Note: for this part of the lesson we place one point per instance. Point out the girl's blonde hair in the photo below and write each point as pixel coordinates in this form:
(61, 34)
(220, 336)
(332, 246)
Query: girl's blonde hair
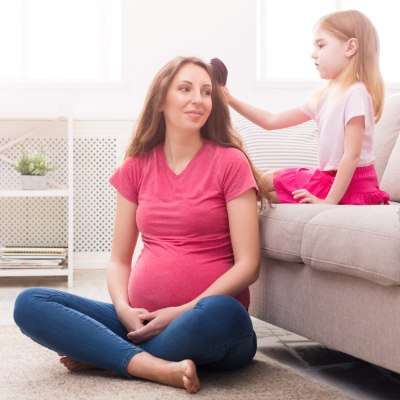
(364, 64)
(150, 128)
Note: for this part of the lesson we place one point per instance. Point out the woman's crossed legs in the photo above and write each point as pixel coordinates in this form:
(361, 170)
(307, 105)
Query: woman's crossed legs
(216, 334)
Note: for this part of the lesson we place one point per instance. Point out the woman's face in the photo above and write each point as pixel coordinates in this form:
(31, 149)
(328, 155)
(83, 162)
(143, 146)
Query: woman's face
(188, 101)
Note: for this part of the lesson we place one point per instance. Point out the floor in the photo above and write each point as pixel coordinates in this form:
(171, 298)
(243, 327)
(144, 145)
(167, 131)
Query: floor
(356, 378)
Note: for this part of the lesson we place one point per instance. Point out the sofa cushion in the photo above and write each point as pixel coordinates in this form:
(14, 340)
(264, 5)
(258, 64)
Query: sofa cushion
(390, 182)
(269, 150)
(282, 227)
(386, 133)
(359, 241)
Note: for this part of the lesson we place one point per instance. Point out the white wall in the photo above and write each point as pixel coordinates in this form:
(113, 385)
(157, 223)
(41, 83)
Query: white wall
(154, 31)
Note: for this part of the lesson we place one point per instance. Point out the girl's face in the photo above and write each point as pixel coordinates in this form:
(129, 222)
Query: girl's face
(188, 102)
(330, 54)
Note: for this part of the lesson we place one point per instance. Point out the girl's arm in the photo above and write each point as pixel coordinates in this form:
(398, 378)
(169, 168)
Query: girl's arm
(123, 245)
(264, 118)
(353, 139)
(244, 231)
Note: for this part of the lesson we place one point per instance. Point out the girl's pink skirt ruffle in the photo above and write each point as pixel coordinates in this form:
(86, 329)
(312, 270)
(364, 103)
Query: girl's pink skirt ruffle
(363, 188)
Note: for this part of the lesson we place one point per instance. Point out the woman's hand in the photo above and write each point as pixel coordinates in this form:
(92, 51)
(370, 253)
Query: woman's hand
(131, 318)
(153, 323)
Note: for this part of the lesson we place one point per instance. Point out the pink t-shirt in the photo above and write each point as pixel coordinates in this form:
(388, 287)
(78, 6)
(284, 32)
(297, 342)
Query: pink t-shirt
(332, 115)
(183, 221)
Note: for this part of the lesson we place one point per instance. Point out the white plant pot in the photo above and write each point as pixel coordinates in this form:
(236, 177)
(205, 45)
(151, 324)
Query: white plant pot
(33, 182)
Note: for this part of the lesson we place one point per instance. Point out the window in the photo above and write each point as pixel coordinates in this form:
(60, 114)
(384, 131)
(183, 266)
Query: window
(285, 36)
(60, 40)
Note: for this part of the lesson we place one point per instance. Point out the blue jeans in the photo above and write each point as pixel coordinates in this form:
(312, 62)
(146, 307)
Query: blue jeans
(216, 334)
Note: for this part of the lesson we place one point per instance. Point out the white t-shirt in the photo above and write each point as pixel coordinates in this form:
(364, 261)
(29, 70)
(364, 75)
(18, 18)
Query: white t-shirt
(332, 114)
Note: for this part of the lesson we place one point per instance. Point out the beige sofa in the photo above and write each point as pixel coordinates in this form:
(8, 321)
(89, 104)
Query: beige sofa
(332, 273)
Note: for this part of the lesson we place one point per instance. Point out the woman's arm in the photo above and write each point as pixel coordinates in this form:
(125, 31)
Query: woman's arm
(244, 231)
(353, 139)
(123, 245)
(264, 118)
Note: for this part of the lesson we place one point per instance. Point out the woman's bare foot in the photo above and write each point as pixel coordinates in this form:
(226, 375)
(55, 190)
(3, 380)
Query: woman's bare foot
(184, 374)
(74, 365)
(181, 374)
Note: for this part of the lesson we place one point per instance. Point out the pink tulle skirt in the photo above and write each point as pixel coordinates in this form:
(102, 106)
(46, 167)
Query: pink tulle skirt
(363, 187)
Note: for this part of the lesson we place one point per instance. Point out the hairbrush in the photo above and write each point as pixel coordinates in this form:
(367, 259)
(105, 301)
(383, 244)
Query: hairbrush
(219, 70)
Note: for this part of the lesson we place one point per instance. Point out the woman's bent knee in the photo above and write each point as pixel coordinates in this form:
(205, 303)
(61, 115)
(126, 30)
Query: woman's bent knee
(25, 304)
(227, 311)
(222, 303)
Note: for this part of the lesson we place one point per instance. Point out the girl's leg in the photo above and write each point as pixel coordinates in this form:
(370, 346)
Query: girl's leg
(267, 180)
(216, 334)
(274, 197)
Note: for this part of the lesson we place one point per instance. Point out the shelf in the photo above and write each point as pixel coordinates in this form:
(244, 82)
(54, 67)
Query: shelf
(32, 117)
(13, 272)
(46, 128)
(35, 193)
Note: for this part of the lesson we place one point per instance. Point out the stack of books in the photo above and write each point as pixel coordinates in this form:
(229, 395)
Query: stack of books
(33, 257)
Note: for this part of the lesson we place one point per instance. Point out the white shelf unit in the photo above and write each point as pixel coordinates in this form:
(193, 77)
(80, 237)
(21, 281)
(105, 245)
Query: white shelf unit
(56, 190)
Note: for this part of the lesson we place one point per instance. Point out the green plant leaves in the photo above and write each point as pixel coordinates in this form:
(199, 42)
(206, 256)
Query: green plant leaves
(35, 164)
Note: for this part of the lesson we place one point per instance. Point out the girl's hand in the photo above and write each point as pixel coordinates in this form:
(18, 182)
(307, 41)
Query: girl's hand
(227, 94)
(153, 323)
(307, 197)
(130, 318)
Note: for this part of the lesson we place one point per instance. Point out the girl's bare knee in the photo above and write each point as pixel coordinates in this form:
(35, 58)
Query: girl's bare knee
(267, 180)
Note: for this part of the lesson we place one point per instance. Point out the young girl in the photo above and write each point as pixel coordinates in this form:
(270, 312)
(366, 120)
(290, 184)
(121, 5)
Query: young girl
(346, 50)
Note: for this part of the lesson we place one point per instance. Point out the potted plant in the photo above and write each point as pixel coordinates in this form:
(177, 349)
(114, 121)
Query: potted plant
(33, 169)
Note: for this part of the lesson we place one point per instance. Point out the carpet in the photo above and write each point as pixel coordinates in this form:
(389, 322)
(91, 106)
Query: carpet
(29, 372)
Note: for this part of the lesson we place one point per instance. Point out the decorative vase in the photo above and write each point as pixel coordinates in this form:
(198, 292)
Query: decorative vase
(33, 182)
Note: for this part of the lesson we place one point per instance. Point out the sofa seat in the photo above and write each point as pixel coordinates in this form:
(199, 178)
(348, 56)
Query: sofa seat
(362, 242)
(331, 273)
